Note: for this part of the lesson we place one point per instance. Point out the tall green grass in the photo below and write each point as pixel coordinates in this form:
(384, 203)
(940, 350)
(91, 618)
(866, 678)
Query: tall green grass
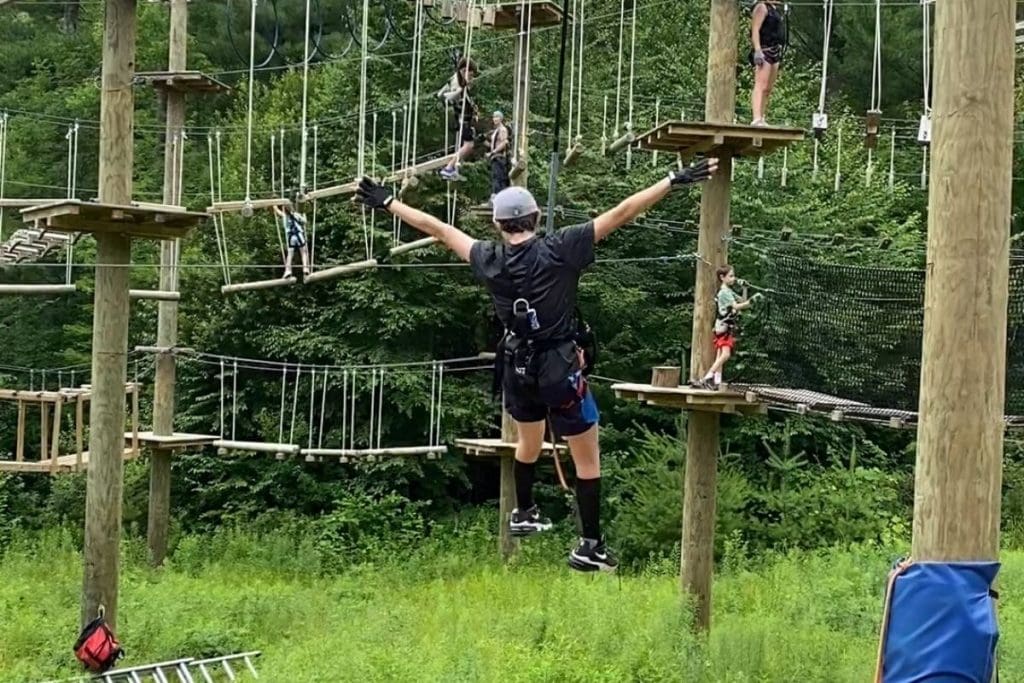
(448, 611)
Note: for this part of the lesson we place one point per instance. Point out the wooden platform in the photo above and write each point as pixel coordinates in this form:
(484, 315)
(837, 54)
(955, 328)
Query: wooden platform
(710, 139)
(29, 245)
(181, 81)
(176, 440)
(505, 15)
(22, 203)
(73, 215)
(689, 398)
(499, 448)
(65, 464)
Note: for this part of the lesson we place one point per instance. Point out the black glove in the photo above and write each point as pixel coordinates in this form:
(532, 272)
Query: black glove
(758, 58)
(373, 195)
(697, 173)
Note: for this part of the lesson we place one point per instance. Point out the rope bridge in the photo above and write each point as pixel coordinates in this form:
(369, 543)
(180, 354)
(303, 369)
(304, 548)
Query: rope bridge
(851, 332)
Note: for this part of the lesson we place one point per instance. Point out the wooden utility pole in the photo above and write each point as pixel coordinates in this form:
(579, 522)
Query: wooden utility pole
(963, 364)
(698, 543)
(522, 113)
(167, 322)
(110, 320)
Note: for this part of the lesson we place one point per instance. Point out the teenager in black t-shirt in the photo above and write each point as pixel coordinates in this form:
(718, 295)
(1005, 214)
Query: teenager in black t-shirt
(533, 280)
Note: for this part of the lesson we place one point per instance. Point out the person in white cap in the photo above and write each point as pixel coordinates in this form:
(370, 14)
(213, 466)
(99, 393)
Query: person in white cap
(533, 281)
(498, 154)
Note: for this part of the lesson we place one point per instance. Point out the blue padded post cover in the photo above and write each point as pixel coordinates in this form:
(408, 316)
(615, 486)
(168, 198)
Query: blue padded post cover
(942, 624)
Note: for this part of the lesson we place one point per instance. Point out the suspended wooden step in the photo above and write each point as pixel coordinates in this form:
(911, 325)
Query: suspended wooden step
(690, 139)
(258, 284)
(498, 448)
(342, 270)
(872, 122)
(247, 207)
(413, 246)
(574, 153)
(257, 447)
(343, 454)
(40, 290)
(181, 81)
(153, 295)
(332, 191)
(73, 215)
(173, 441)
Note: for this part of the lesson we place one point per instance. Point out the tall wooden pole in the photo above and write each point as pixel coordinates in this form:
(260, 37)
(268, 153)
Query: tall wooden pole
(702, 437)
(522, 112)
(167, 321)
(110, 320)
(963, 365)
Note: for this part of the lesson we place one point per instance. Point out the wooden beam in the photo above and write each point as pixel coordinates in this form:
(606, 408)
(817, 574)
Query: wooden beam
(38, 290)
(154, 295)
(413, 246)
(356, 452)
(507, 543)
(341, 271)
(257, 447)
(258, 284)
(19, 451)
(332, 191)
(960, 428)
(704, 146)
(254, 204)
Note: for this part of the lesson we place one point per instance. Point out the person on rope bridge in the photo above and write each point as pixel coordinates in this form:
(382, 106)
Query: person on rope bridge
(540, 364)
(768, 38)
(727, 310)
(456, 94)
(295, 235)
(498, 154)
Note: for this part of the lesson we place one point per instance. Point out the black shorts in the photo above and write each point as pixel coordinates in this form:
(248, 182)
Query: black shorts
(467, 134)
(772, 55)
(572, 405)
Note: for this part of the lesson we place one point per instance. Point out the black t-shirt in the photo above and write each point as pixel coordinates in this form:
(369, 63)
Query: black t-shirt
(545, 270)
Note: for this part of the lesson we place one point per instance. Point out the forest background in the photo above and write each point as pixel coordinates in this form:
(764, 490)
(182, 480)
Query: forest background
(786, 482)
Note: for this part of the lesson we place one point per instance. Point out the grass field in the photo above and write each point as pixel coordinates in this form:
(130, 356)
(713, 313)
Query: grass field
(448, 611)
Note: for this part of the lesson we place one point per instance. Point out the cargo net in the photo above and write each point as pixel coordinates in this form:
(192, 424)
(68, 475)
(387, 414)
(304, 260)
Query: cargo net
(852, 332)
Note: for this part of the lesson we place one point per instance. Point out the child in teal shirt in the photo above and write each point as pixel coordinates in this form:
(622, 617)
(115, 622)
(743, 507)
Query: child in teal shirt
(727, 308)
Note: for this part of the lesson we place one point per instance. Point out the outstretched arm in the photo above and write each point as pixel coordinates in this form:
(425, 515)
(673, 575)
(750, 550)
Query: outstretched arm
(635, 205)
(453, 238)
(380, 198)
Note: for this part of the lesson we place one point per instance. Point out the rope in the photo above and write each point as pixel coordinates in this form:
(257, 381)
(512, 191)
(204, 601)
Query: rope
(828, 5)
(892, 159)
(312, 405)
(839, 159)
(3, 167)
(433, 389)
(632, 63)
(222, 400)
(785, 165)
(352, 412)
(234, 399)
(316, 156)
(344, 406)
(305, 106)
(395, 221)
(218, 233)
(295, 405)
(70, 145)
(926, 54)
(604, 127)
(876, 67)
(380, 407)
(572, 75)
(618, 77)
(280, 140)
(440, 403)
(412, 120)
(579, 96)
(252, 86)
(373, 405)
(273, 188)
(280, 427)
(361, 150)
(467, 55)
(657, 122)
(323, 410)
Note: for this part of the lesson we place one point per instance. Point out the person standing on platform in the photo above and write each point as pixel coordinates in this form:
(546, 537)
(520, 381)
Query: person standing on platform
(498, 154)
(727, 309)
(541, 361)
(768, 38)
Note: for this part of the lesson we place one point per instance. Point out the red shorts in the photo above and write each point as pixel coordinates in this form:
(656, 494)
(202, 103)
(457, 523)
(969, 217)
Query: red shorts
(725, 341)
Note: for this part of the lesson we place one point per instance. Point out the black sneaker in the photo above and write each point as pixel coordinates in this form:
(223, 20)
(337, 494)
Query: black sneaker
(528, 521)
(593, 556)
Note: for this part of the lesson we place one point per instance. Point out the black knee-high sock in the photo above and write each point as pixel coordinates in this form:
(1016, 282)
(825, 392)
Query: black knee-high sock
(588, 499)
(523, 474)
